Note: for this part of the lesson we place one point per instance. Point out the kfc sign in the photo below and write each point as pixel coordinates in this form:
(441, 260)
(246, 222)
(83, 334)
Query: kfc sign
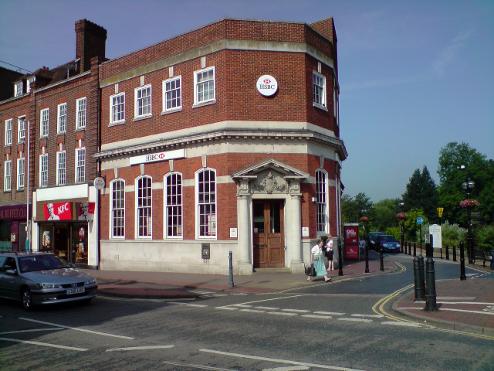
(267, 85)
(86, 211)
(58, 211)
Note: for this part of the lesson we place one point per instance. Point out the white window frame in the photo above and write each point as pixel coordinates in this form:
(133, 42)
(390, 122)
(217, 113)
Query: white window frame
(112, 223)
(58, 176)
(80, 114)
(18, 91)
(43, 170)
(8, 132)
(136, 221)
(80, 176)
(21, 139)
(21, 181)
(136, 99)
(212, 99)
(29, 82)
(7, 176)
(323, 95)
(198, 206)
(113, 106)
(322, 201)
(166, 92)
(44, 122)
(61, 118)
(166, 206)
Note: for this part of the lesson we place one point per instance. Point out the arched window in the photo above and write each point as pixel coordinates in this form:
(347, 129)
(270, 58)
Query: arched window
(117, 208)
(206, 203)
(143, 207)
(322, 201)
(173, 205)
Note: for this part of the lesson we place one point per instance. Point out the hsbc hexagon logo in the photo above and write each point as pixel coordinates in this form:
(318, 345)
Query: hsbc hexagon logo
(267, 85)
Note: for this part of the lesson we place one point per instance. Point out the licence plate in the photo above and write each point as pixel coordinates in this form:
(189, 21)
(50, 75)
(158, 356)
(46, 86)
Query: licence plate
(76, 290)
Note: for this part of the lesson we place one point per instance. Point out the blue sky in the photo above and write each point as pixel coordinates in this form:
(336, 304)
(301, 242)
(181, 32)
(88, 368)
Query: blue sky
(414, 75)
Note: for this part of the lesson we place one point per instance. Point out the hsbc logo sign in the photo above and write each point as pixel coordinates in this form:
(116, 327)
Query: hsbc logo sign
(267, 85)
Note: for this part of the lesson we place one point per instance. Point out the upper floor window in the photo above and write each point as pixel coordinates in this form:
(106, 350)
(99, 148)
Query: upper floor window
(43, 170)
(319, 90)
(61, 168)
(20, 173)
(8, 132)
(29, 83)
(143, 207)
(81, 108)
(7, 176)
(18, 88)
(80, 165)
(117, 108)
(206, 203)
(142, 104)
(322, 201)
(172, 97)
(21, 129)
(204, 90)
(44, 122)
(173, 205)
(117, 212)
(61, 118)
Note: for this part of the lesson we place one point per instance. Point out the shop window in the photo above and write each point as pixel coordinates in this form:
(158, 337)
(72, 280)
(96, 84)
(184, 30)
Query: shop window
(173, 205)
(117, 209)
(322, 201)
(206, 203)
(144, 207)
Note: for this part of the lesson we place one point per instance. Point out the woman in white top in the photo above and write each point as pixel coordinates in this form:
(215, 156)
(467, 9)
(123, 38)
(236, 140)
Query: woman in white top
(318, 261)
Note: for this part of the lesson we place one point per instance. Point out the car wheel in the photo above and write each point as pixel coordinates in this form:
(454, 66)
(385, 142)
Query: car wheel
(27, 299)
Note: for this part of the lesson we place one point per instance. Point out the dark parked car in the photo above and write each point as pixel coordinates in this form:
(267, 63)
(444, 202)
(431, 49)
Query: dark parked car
(41, 278)
(388, 243)
(373, 239)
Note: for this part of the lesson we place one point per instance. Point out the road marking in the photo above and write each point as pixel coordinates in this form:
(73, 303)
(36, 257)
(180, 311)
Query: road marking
(202, 292)
(404, 324)
(219, 295)
(467, 298)
(330, 313)
(287, 368)
(296, 310)
(316, 316)
(76, 328)
(378, 307)
(187, 304)
(32, 330)
(149, 347)
(277, 360)
(282, 313)
(227, 308)
(243, 305)
(271, 299)
(200, 367)
(44, 344)
(467, 311)
(268, 308)
(457, 302)
(100, 296)
(355, 320)
(368, 315)
(251, 310)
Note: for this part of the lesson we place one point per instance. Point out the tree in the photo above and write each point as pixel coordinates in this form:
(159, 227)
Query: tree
(352, 208)
(384, 214)
(421, 193)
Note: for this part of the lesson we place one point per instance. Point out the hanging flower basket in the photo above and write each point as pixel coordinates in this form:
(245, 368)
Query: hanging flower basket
(364, 219)
(469, 203)
(401, 216)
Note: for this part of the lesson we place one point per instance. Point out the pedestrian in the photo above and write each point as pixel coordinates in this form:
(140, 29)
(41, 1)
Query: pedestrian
(330, 255)
(317, 259)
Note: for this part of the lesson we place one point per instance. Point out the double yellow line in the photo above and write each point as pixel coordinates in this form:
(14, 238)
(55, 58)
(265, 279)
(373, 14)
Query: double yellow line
(378, 308)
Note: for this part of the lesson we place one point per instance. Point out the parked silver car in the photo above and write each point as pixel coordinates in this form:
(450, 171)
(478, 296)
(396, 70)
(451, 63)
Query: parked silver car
(41, 278)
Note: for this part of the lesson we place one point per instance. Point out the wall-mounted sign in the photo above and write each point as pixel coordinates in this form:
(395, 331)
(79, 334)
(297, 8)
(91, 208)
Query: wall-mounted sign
(99, 182)
(160, 156)
(305, 231)
(85, 211)
(57, 211)
(267, 85)
(233, 233)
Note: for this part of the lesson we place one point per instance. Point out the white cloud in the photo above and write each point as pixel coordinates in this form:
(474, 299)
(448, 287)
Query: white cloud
(449, 53)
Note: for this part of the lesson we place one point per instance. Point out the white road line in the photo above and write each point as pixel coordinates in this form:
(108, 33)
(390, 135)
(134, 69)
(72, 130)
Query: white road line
(77, 329)
(271, 299)
(149, 347)
(219, 295)
(252, 311)
(467, 311)
(44, 344)
(287, 368)
(456, 298)
(457, 302)
(402, 324)
(200, 367)
(277, 360)
(330, 313)
(368, 315)
(32, 330)
(187, 304)
(141, 299)
(296, 310)
(227, 308)
(315, 316)
(355, 320)
(267, 308)
(282, 314)
(202, 292)
(243, 305)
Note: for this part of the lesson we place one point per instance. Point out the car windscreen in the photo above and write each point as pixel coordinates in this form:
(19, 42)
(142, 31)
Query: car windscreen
(39, 263)
(387, 238)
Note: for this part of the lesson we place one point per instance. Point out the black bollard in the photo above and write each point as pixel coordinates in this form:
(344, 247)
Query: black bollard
(447, 252)
(430, 288)
(462, 262)
(340, 258)
(454, 253)
(414, 250)
(418, 274)
(441, 252)
(230, 270)
(367, 256)
(381, 258)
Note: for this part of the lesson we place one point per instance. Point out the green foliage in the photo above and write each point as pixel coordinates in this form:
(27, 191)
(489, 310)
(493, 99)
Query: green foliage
(393, 231)
(352, 208)
(485, 237)
(421, 193)
(410, 225)
(452, 234)
(383, 214)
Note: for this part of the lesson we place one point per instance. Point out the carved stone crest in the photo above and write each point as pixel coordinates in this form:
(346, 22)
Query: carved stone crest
(267, 182)
(243, 188)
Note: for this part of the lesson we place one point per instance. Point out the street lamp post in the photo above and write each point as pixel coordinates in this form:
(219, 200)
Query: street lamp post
(365, 220)
(401, 218)
(468, 185)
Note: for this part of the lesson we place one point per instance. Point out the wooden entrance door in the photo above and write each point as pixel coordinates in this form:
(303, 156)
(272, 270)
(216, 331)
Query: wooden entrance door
(269, 244)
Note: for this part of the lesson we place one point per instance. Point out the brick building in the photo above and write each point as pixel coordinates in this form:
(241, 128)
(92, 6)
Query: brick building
(223, 139)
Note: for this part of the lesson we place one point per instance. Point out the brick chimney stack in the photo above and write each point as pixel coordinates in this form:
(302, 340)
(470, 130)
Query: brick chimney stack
(90, 42)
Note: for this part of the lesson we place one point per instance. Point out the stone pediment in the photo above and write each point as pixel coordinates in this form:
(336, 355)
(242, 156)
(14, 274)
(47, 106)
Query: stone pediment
(275, 166)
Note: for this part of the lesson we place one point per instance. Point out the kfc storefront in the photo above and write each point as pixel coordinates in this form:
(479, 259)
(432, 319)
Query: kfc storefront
(66, 227)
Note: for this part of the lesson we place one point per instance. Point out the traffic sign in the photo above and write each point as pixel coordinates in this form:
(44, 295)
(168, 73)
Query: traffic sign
(440, 211)
(420, 220)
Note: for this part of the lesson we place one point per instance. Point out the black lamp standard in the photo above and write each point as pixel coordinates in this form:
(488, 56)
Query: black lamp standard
(468, 186)
(401, 216)
(365, 220)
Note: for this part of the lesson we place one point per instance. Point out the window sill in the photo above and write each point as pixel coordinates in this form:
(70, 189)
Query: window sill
(61, 132)
(80, 129)
(175, 110)
(320, 106)
(139, 118)
(43, 137)
(116, 123)
(202, 104)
